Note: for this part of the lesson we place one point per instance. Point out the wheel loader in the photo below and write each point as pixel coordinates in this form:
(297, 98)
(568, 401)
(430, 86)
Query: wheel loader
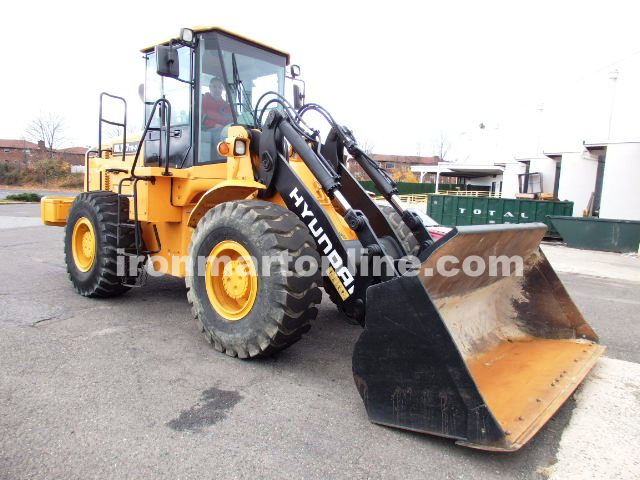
(222, 183)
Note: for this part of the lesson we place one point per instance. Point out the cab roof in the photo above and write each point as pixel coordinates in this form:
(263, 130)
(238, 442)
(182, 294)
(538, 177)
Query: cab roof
(226, 32)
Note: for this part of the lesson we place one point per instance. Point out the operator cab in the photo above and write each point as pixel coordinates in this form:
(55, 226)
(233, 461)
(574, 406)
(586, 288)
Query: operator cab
(212, 79)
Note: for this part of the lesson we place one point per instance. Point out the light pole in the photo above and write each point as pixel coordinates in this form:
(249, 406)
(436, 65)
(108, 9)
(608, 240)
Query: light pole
(540, 109)
(613, 76)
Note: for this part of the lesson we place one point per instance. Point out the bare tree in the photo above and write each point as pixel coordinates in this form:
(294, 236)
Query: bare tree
(367, 147)
(441, 146)
(47, 128)
(114, 131)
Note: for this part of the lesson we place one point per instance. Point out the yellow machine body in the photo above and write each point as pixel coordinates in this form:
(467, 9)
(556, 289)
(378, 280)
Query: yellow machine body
(175, 203)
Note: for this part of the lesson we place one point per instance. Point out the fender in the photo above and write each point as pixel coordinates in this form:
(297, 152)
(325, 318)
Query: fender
(223, 192)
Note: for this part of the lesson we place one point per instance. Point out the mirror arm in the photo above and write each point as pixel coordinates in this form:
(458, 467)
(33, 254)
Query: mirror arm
(179, 41)
(185, 81)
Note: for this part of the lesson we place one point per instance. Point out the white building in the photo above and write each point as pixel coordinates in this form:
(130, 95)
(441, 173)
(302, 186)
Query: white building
(533, 175)
(601, 179)
(471, 175)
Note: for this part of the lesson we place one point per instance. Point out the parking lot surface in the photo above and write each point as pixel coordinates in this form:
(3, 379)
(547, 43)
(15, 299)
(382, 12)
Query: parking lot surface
(128, 388)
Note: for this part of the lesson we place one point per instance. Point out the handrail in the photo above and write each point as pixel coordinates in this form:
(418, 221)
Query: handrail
(417, 198)
(117, 124)
(420, 198)
(86, 164)
(470, 193)
(147, 127)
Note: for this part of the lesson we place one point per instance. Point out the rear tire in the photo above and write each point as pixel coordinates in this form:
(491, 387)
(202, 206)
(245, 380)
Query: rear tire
(278, 309)
(90, 244)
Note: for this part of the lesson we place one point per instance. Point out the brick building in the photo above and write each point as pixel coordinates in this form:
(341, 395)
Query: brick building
(25, 153)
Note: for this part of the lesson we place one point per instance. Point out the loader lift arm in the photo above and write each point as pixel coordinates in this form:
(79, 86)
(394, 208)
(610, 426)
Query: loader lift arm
(387, 187)
(341, 137)
(326, 163)
(344, 259)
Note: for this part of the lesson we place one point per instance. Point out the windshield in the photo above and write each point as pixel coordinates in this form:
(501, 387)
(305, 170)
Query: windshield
(249, 76)
(233, 76)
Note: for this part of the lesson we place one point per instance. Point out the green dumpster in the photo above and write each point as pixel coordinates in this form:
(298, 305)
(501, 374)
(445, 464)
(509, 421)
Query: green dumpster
(454, 210)
(606, 234)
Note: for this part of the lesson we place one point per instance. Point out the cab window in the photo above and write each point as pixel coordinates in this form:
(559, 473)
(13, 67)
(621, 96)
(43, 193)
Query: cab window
(233, 75)
(179, 93)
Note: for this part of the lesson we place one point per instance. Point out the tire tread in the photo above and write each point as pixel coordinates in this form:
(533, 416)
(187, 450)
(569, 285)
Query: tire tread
(291, 316)
(105, 207)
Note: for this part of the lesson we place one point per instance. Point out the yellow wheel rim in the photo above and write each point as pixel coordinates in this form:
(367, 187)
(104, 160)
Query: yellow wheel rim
(231, 280)
(83, 244)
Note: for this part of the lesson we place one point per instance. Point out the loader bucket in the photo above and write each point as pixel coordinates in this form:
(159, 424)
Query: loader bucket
(484, 359)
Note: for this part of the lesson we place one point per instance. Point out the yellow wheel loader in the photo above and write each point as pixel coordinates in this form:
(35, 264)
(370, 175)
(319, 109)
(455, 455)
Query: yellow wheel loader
(229, 187)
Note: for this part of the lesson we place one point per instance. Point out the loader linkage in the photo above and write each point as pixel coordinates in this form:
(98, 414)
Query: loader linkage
(379, 244)
(478, 358)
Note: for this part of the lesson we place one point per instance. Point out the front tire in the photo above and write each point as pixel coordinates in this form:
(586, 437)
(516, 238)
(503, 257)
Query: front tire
(264, 311)
(404, 233)
(409, 243)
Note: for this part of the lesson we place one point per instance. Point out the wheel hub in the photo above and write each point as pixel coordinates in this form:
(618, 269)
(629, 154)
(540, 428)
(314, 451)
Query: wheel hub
(235, 280)
(231, 280)
(88, 247)
(83, 244)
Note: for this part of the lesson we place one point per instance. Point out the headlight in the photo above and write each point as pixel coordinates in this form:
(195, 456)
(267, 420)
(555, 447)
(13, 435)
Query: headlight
(239, 147)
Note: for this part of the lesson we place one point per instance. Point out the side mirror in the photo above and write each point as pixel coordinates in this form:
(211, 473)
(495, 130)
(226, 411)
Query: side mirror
(167, 61)
(295, 71)
(298, 97)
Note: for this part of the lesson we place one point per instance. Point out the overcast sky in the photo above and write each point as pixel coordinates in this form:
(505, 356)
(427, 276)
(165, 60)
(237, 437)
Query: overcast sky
(400, 74)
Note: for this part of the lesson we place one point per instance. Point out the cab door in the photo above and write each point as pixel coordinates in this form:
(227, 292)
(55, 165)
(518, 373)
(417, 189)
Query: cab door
(179, 92)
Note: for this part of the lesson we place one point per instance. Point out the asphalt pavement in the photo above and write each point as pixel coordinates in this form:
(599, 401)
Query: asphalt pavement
(128, 388)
